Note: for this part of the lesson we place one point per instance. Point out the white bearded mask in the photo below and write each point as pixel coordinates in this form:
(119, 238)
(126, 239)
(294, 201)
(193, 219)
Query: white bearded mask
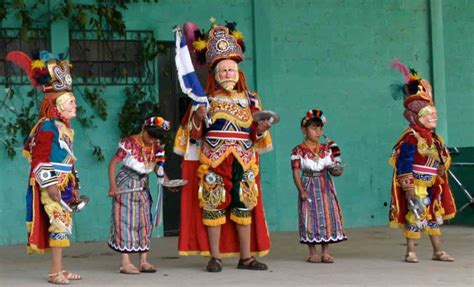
(227, 74)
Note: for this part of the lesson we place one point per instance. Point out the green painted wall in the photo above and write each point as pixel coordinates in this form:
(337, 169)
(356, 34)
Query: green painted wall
(458, 19)
(332, 55)
(324, 56)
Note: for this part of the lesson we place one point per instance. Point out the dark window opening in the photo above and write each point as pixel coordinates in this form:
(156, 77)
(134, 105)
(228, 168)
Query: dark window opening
(116, 60)
(10, 40)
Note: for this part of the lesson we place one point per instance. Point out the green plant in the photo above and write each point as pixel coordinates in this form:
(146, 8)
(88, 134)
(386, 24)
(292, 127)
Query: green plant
(138, 106)
(105, 18)
(18, 115)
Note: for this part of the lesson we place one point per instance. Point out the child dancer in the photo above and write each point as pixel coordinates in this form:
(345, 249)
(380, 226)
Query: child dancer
(421, 196)
(131, 220)
(53, 181)
(313, 163)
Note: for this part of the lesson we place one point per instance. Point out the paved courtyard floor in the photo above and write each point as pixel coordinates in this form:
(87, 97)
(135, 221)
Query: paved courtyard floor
(371, 257)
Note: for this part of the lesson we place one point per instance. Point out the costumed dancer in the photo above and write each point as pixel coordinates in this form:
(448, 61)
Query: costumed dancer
(53, 181)
(313, 164)
(131, 219)
(421, 196)
(221, 207)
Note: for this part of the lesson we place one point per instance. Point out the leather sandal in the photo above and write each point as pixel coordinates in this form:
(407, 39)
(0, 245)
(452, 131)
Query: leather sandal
(411, 257)
(71, 276)
(326, 258)
(251, 264)
(58, 279)
(442, 256)
(214, 265)
(147, 268)
(129, 269)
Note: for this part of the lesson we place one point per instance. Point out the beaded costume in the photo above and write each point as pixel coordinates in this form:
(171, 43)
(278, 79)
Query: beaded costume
(417, 158)
(221, 163)
(49, 148)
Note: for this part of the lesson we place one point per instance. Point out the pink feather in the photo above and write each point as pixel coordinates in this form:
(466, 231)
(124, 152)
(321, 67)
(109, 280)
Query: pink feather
(24, 62)
(396, 64)
(189, 28)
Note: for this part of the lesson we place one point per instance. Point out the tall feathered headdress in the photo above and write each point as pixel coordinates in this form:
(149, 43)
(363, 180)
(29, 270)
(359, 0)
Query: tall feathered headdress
(220, 42)
(418, 99)
(414, 88)
(47, 72)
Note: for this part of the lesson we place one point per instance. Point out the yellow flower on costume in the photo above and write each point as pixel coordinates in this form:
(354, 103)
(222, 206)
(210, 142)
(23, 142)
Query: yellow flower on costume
(37, 64)
(200, 45)
(238, 35)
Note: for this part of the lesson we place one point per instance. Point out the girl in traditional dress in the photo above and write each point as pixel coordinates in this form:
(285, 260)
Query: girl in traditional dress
(313, 164)
(131, 220)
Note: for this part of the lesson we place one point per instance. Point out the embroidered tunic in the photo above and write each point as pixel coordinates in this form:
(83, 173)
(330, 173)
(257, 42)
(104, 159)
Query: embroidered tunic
(224, 156)
(231, 131)
(49, 148)
(415, 160)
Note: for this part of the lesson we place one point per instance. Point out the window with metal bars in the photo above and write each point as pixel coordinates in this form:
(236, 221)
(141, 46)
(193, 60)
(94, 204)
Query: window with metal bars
(10, 40)
(111, 60)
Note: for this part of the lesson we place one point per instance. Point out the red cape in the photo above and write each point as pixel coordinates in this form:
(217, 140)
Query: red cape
(193, 238)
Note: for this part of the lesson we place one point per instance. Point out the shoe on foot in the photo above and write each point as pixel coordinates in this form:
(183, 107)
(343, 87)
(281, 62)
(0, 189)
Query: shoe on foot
(71, 276)
(129, 269)
(442, 256)
(147, 268)
(58, 279)
(411, 257)
(214, 265)
(251, 264)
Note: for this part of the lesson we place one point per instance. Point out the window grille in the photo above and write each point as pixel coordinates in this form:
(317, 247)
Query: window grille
(10, 40)
(116, 60)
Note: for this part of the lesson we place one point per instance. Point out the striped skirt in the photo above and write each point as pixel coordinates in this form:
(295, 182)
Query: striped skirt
(320, 217)
(131, 220)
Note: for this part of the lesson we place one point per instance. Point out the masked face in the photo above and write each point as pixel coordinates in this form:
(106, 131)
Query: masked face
(66, 105)
(227, 74)
(429, 118)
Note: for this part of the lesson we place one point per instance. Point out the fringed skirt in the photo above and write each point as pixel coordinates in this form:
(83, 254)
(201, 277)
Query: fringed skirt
(320, 217)
(131, 220)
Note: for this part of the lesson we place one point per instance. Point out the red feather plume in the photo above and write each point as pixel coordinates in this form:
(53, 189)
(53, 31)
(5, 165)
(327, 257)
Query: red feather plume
(24, 62)
(396, 64)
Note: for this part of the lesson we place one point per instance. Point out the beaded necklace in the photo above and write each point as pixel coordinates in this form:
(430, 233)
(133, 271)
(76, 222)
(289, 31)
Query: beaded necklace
(147, 160)
(313, 149)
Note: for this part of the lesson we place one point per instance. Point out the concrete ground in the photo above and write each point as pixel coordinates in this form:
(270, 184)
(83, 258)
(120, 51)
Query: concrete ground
(371, 257)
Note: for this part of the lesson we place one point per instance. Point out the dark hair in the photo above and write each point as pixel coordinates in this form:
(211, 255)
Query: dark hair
(154, 132)
(315, 120)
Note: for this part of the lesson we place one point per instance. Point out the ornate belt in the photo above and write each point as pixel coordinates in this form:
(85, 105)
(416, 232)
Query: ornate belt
(62, 167)
(133, 173)
(231, 135)
(421, 169)
(311, 173)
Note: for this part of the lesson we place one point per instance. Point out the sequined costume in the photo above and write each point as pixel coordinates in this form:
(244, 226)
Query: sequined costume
(221, 162)
(52, 163)
(49, 149)
(415, 159)
(420, 160)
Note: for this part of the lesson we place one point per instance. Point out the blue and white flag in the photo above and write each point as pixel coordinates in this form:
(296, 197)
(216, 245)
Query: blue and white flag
(187, 76)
